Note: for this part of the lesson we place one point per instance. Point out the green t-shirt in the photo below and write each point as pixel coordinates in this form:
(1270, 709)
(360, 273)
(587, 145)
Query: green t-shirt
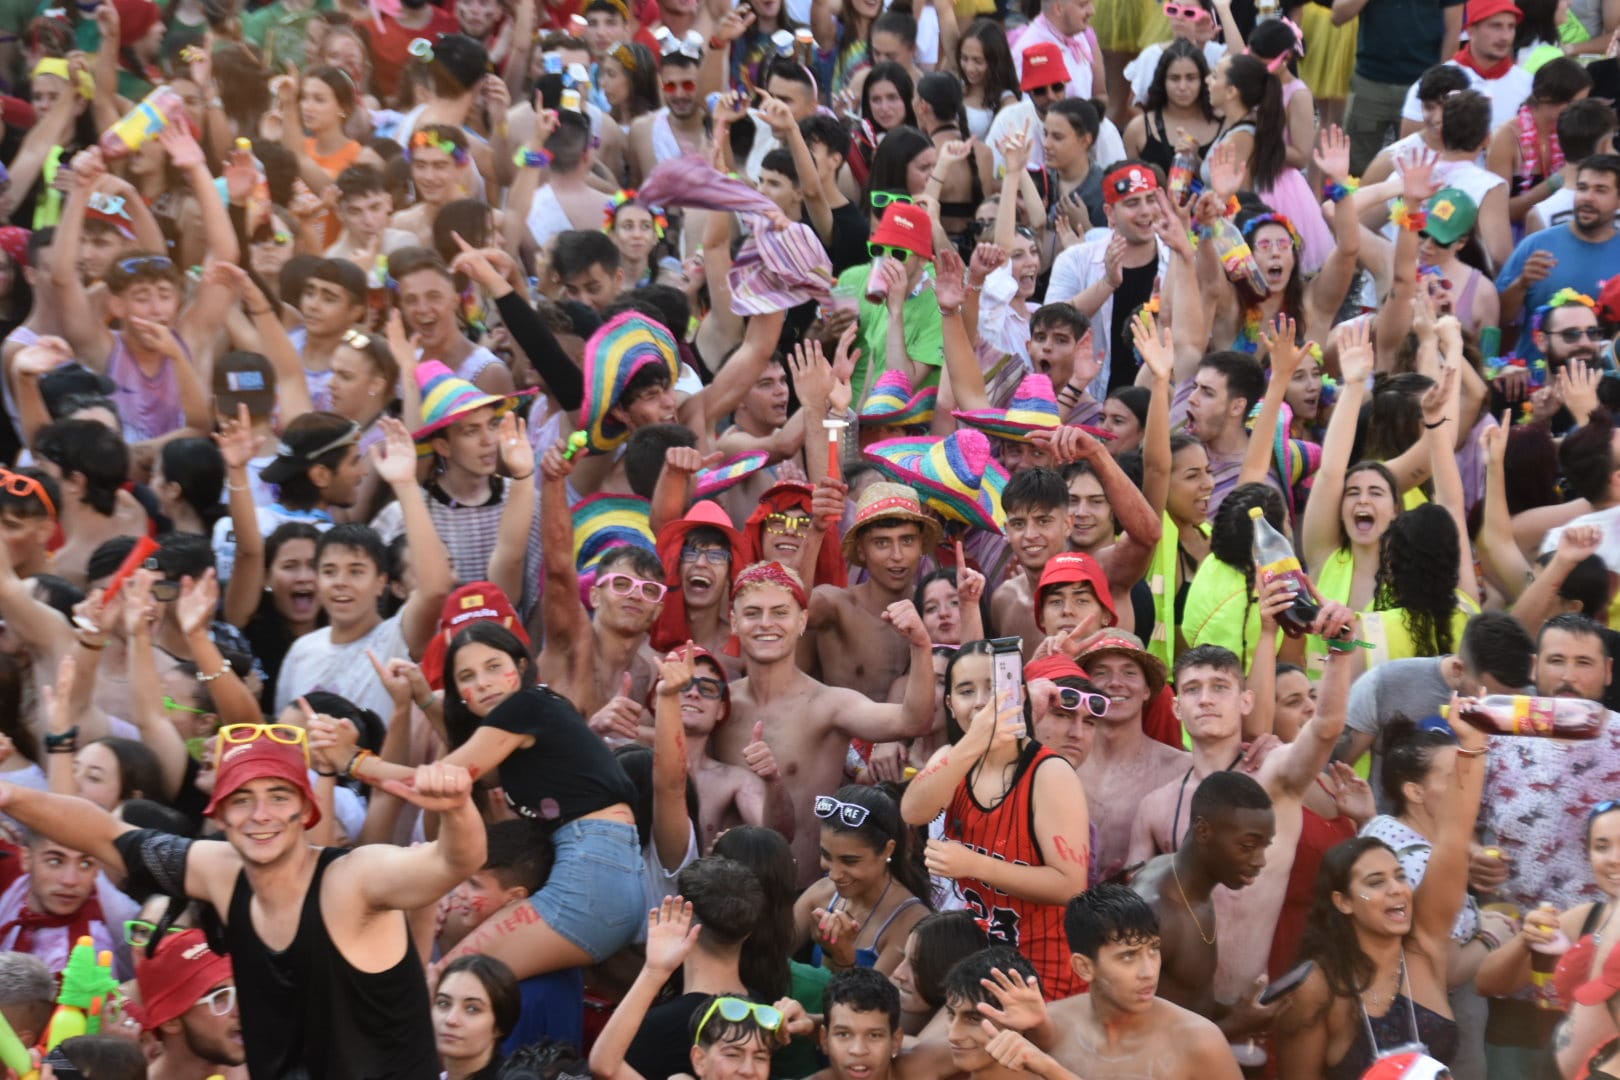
(802, 1056)
(286, 29)
(925, 338)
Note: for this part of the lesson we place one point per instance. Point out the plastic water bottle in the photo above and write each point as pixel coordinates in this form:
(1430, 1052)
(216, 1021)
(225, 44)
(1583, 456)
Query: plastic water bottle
(162, 107)
(1274, 558)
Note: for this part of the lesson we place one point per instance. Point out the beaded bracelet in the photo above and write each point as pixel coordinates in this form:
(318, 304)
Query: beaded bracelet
(532, 159)
(1334, 191)
(1410, 220)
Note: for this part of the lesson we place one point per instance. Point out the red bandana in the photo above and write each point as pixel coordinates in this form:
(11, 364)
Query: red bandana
(1465, 58)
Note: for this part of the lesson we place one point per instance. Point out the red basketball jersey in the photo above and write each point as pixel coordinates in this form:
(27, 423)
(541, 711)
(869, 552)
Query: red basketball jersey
(1007, 831)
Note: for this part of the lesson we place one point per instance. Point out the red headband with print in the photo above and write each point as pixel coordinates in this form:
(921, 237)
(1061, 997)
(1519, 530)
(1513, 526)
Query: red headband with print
(1128, 180)
(771, 573)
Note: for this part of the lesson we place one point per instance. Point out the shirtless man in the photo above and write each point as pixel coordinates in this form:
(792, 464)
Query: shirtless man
(1109, 517)
(847, 643)
(1122, 1027)
(677, 129)
(1210, 703)
(595, 660)
(1124, 762)
(809, 724)
(441, 172)
(1232, 824)
(1036, 502)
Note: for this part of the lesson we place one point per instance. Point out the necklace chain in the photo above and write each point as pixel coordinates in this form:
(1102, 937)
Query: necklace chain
(1209, 939)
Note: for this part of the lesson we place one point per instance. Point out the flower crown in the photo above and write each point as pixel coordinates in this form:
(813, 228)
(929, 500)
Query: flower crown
(618, 200)
(1253, 224)
(422, 140)
(1561, 298)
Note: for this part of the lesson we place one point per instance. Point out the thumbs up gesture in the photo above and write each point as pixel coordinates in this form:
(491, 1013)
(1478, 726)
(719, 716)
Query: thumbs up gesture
(758, 757)
(620, 718)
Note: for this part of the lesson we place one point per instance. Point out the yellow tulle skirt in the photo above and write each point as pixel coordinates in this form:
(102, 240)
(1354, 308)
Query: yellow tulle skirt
(1121, 24)
(1330, 53)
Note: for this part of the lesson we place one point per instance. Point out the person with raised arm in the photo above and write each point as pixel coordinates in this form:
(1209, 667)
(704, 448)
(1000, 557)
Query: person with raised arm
(807, 722)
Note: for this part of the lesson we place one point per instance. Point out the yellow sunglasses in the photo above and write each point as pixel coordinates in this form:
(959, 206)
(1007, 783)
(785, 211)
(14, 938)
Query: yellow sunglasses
(286, 734)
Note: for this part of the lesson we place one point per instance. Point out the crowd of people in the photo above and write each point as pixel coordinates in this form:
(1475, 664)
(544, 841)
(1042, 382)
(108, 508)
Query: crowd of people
(788, 538)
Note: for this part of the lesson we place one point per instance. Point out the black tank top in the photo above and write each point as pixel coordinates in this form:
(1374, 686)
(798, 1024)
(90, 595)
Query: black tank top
(307, 1014)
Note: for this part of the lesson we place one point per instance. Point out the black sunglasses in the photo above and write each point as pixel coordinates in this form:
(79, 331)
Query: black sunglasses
(1572, 334)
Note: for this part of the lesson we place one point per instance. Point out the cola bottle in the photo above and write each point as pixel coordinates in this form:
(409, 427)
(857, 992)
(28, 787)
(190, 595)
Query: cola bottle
(1538, 717)
(1274, 558)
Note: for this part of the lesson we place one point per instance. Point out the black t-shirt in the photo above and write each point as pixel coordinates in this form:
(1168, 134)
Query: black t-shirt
(848, 245)
(1135, 289)
(662, 1046)
(569, 772)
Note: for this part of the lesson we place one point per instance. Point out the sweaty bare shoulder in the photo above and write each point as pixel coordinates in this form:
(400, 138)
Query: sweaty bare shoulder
(1206, 1055)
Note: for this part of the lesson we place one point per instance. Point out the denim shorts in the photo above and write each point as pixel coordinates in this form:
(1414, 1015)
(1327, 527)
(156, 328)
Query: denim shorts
(594, 895)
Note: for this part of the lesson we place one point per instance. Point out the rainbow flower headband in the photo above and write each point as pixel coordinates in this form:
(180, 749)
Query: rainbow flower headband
(422, 140)
(618, 200)
(1559, 299)
(1258, 220)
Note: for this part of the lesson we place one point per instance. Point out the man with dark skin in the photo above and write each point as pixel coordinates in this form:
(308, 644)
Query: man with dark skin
(848, 642)
(1232, 825)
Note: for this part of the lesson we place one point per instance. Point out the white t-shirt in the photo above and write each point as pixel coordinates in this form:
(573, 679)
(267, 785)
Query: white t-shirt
(1506, 94)
(1109, 148)
(1140, 71)
(314, 663)
(270, 517)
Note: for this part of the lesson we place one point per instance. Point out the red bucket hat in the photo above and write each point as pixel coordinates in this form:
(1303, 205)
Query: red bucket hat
(1043, 66)
(906, 226)
(182, 970)
(262, 759)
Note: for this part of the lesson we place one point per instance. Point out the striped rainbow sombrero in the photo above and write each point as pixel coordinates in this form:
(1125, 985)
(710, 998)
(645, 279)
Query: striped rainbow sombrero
(446, 397)
(620, 347)
(732, 470)
(605, 521)
(956, 475)
(892, 403)
(1033, 408)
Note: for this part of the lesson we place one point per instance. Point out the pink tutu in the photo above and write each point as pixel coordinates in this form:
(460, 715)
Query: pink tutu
(1293, 198)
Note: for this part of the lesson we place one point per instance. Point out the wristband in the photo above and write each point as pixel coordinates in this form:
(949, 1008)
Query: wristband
(65, 743)
(948, 312)
(355, 762)
(532, 159)
(220, 674)
(1438, 423)
(1410, 220)
(1334, 191)
(1465, 752)
(715, 44)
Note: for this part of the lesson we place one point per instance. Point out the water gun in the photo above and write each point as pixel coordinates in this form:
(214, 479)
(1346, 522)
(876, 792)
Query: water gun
(13, 1054)
(87, 983)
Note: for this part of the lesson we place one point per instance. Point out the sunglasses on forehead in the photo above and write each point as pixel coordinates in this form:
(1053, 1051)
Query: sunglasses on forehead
(1184, 11)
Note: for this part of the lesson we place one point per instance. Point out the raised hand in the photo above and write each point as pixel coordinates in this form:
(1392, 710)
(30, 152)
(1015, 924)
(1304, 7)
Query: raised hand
(970, 583)
(1352, 796)
(949, 285)
(1578, 384)
(1279, 339)
(395, 457)
(331, 740)
(182, 149)
(902, 615)
(1021, 1006)
(1354, 340)
(235, 439)
(1114, 260)
(1417, 177)
(1070, 444)
(689, 460)
(1276, 597)
(987, 258)
(198, 602)
(1577, 543)
(675, 672)
(1437, 398)
(401, 678)
(554, 464)
(476, 265)
(758, 757)
(953, 152)
(44, 356)
(1226, 172)
(1332, 154)
(671, 933)
(517, 453)
(1157, 346)
(140, 610)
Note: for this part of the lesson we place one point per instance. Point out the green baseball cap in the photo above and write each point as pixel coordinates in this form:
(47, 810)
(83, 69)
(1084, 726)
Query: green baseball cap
(1452, 213)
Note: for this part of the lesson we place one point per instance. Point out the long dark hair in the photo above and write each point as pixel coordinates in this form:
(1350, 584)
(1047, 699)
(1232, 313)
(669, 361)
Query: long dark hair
(1261, 93)
(763, 965)
(1179, 49)
(1395, 419)
(1418, 571)
(882, 824)
(1000, 73)
(459, 721)
(891, 160)
(943, 938)
(943, 92)
(1330, 938)
(505, 1000)
(643, 76)
(197, 468)
(892, 73)
(1293, 292)
(1538, 25)
(1231, 538)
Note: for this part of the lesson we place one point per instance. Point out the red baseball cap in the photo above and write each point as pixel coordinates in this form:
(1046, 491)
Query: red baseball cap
(476, 601)
(262, 759)
(182, 970)
(906, 226)
(1054, 668)
(1480, 10)
(1043, 66)
(1075, 567)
